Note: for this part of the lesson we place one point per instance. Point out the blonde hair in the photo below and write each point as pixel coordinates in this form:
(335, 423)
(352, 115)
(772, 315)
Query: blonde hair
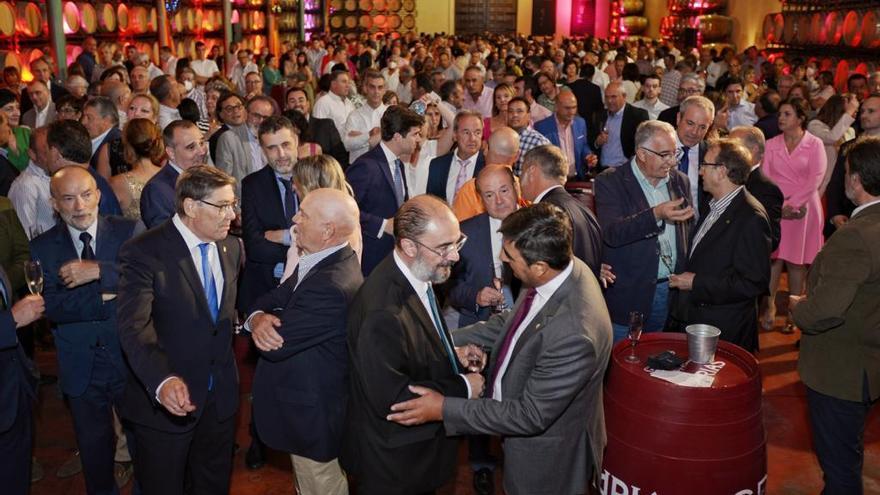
(319, 171)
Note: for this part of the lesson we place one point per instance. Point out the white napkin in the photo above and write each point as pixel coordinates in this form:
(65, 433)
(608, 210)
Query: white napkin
(699, 380)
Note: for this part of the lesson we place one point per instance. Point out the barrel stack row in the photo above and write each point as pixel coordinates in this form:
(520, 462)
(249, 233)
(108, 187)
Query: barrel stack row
(372, 15)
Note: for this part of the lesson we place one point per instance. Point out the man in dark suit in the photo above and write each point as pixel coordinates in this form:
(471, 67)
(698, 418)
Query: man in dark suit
(69, 145)
(759, 185)
(728, 268)
(838, 318)
(42, 111)
(78, 256)
(176, 313)
(615, 129)
(588, 94)
(695, 116)
(646, 220)
(549, 358)
(100, 118)
(379, 182)
(396, 338)
(691, 85)
(543, 177)
(569, 132)
(185, 147)
(447, 173)
(323, 131)
(767, 110)
(17, 389)
(301, 383)
(41, 68)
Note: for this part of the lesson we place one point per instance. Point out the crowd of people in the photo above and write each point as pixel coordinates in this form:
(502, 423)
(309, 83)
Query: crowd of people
(424, 237)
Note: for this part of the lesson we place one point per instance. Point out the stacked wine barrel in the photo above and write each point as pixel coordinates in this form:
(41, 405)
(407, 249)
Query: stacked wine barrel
(372, 15)
(627, 18)
(852, 28)
(706, 17)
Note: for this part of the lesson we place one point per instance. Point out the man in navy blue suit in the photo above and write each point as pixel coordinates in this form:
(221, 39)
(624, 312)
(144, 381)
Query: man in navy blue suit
(301, 383)
(78, 256)
(568, 131)
(449, 172)
(379, 183)
(186, 148)
(17, 389)
(646, 216)
(69, 144)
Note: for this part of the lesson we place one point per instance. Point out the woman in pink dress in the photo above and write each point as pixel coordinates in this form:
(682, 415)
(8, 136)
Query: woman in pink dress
(796, 161)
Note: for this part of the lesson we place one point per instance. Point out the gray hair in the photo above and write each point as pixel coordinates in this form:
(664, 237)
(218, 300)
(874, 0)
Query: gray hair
(753, 139)
(650, 128)
(697, 101)
(694, 77)
(105, 107)
(549, 159)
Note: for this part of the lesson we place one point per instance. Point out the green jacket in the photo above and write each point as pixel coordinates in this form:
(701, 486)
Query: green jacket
(14, 250)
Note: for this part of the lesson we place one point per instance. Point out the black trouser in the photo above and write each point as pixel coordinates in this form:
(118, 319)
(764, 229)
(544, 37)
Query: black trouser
(16, 444)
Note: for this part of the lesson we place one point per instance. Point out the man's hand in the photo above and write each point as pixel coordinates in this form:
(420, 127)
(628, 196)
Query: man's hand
(471, 357)
(606, 276)
(263, 327)
(477, 383)
(669, 211)
(685, 281)
(489, 296)
(28, 310)
(389, 226)
(839, 220)
(76, 273)
(174, 396)
(592, 160)
(428, 407)
(276, 236)
(602, 139)
(375, 136)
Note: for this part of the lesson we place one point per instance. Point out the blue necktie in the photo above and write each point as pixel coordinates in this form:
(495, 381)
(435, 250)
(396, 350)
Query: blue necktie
(685, 159)
(438, 322)
(208, 282)
(290, 202)
(4, 298)
(398, 181)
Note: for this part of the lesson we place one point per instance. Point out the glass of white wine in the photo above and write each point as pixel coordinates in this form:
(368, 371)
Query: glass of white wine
(33, 274)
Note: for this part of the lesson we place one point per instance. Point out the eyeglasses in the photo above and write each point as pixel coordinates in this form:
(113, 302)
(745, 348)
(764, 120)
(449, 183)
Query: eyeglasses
(667, 156)
(231, 108)
(447, 250)
(224, 208)
(707, 164)
(689, 91)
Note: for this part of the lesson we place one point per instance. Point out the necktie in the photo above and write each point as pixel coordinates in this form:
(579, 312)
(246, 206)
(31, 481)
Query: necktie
(462, 175)
(87, 252)
(208, 283)
(4, 297)
(511, 331)
(290, 201)
(685, 159)
(438, 322)
(398, 181)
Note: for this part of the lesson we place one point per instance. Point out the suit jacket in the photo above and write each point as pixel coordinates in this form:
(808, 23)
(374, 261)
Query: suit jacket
(550, 130)
(83, 319)
(8, 173)
(840, 345)
(111, 136)
(836, 202)
(670, 116)
(19, 374)
(474, 270)
(157, 198)
(163, 318)
(13, 246)
(769, 125)
(324, 132)
(393, 343)
(550, 412)
(301, 390)
(438, 173)
(770, 196)
(58, 90)
(732, 267)
(630, 234)
(29, 117)
(587, 240)
(234, 155)
(589, 98)
(370, 178)
(261, 210)
(632, 117)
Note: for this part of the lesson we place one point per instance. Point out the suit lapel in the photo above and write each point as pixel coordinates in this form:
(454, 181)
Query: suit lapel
(719, 226)
(544, 315)
(105, 240)
(414, 303)
(274, 200)
(230, 268)
(178, 251)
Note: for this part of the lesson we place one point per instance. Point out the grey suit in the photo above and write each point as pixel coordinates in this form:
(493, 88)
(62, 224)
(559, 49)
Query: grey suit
(234, 155)
(551, 409)
(29, 118)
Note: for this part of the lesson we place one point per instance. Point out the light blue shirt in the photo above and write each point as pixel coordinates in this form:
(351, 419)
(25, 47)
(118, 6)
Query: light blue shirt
(666, 240)
(612, 151)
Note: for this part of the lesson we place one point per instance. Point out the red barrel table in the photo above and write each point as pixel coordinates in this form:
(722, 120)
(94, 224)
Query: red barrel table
(667, 439)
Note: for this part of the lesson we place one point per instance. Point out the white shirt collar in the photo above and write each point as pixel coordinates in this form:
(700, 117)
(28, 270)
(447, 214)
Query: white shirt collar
(389, 155)
(543, 193)
(755, 167)
(420, 287)
(189, 237)
(862, 207)
(550, 287)
(75, 232)
(470, 161)
(97, 141)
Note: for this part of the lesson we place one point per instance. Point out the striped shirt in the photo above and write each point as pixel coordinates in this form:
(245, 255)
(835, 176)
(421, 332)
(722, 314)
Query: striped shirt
(716, 209)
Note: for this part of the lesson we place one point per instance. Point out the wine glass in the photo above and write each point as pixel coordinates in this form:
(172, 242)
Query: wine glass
(636, 323)
(33, 273)
(498, 284)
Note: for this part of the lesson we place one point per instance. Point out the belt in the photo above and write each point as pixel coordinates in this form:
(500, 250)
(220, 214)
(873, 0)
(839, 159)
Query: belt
(662, 280)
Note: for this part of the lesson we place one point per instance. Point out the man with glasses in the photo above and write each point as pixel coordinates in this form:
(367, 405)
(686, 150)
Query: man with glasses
(727, 268)
(177, 291)
(646, 219)
(238, 151)
(397, 339)
(691, 85)
(185, 147)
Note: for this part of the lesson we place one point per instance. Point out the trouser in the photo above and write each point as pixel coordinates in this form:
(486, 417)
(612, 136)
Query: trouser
(16, 444)
(318, 478)
(655, 320)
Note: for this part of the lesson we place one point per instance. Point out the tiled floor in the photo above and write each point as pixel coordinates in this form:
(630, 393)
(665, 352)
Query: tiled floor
(792, 466)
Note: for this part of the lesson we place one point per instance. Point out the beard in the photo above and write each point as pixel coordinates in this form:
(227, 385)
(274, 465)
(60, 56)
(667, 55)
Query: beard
(436, 274)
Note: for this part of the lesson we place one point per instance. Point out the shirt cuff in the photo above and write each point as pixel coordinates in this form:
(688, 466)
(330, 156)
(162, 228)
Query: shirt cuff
(159, 388)
(466, 384)
(382, 229)
(278, 271)
(286, 238)
(247, 323)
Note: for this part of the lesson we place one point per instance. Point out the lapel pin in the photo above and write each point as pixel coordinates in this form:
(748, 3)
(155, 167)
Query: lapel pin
(224, 249)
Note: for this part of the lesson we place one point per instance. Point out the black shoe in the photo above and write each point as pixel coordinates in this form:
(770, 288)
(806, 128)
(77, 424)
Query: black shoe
(484, 482)
(255, 457)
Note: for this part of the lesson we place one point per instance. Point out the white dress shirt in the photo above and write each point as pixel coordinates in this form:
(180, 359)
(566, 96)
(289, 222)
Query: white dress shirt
(544, 293)
(167, 115)
(41, 116)
(204, 68)
(78, 244)
(470, 165)
(97, 141)
(361, 120)
(653, 110)
(332, 106)
(31, 198)
(693, 174)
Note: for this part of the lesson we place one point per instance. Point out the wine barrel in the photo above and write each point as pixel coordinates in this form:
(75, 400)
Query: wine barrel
(137, 20)
(633, 24)
(366, 5)
(88, 18)
(351, 21)
(350, 5)
(379, 5)
(632, 7)
(153, 20)
(409, 22)
(106, 17)
(714, 27)
(29, 19)
(336, 21)
(817, 23)
(122, 19)
(7, 20)
(871, 29)
(335, 4)
(833, 30)
(380, 22)
(852, 28)
(70, 17)
(409, 5)
(189, 20)
(394, 21)
(669, 439)
(779, 22)
(394, 5)
(789, 29)
(768, 27)
(804, 36)
(365, 21)
(696, 5)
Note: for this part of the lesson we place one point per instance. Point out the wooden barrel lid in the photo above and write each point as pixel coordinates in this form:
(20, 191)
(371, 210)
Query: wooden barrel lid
(88, 18)
(29, 19)
(7, 21)
(70, 17)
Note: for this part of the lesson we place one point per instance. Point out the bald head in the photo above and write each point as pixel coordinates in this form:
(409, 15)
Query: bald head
(566, 106)
(503, 146)
(75, 197)
(753, 139)
(326, 218)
